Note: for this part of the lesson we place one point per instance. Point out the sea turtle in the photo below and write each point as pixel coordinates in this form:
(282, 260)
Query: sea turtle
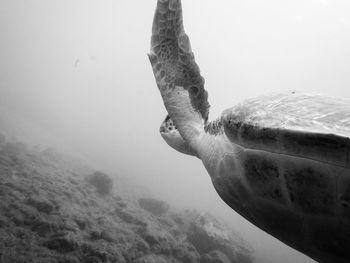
(280, 161)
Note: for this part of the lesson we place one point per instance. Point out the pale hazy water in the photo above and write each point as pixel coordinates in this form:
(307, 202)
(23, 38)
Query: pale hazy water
(79, 69)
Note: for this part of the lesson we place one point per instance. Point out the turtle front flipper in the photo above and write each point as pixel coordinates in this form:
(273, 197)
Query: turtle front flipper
(176, 72)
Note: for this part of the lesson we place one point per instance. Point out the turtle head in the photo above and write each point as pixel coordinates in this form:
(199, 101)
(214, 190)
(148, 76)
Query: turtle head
(173, 138)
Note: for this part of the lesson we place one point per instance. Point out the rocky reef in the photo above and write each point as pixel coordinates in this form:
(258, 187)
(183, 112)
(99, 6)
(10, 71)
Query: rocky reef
(55, 211)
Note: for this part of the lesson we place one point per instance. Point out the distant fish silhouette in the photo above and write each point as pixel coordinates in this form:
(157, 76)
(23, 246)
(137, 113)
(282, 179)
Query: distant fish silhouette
(76, 63)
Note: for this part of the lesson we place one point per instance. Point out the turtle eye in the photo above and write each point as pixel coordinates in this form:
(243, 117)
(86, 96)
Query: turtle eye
(193, 90)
